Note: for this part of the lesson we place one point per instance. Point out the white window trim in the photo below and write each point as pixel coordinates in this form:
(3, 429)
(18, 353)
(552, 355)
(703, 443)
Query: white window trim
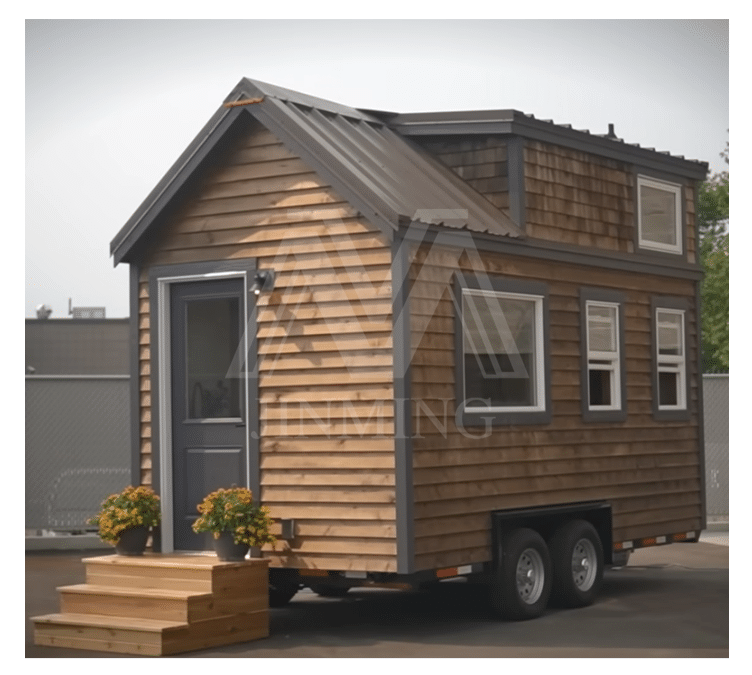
(539, 353)
(667, 363)
(674, 188)
(613, 358)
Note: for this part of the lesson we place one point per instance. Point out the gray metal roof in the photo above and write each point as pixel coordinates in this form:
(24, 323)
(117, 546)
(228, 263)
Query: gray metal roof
(388, 178)
(524, 124)
(370, 160)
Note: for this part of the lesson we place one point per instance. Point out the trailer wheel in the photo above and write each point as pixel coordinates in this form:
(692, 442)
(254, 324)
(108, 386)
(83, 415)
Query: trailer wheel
(282, 587)
(577, 556)
(521, 584)
(329, 590)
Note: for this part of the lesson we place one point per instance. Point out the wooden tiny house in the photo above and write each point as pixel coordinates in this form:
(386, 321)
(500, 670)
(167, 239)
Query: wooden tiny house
(397, 328)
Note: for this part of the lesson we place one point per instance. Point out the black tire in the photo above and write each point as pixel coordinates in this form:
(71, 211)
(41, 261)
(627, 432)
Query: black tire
(329, 591)
(577, 557)
(522, 580)
(281, 592)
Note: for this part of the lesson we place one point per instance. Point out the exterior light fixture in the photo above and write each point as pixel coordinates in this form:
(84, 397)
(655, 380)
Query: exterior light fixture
(263, 281)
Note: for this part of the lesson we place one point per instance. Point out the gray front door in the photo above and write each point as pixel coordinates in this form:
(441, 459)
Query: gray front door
(208, 399)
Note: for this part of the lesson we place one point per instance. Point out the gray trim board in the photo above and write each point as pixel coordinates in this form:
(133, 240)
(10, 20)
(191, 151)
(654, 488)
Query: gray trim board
(516, 176)
(602, 295)
(403, 445)
(634, 262)
(701, 410)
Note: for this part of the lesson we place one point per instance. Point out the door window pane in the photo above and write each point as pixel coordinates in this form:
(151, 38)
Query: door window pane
(212, 339)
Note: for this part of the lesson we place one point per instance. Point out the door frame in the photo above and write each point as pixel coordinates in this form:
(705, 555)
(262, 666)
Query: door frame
(161, 279)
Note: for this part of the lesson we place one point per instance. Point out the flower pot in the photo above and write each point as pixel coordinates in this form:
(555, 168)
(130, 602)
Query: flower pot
(132, 541)
(227, 550)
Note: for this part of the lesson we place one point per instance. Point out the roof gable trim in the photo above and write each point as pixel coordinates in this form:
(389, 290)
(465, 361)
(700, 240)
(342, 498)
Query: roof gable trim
(173, 180)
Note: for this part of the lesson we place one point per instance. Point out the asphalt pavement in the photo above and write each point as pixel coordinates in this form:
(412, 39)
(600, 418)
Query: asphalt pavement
(670, 601)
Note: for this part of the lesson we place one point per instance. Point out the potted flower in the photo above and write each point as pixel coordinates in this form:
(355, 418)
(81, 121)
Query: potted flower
(235, 521)
(124, 519)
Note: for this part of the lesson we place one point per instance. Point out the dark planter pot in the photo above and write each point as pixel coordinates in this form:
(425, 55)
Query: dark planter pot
(227, 550)
(132, 541)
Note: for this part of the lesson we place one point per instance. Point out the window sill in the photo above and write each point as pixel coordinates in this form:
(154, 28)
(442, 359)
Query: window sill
(497, 419)
(604, 415)
(672, 415)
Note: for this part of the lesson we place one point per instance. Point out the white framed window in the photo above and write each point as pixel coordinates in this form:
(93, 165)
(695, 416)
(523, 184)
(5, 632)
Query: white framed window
(603, 356)
(503, 354)
(671, 360)
(659, 215)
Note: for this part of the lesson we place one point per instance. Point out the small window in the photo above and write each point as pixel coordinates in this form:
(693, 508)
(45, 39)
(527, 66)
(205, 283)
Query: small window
(671, 359)
(659, 215)
(603, 390)
(603, 354)
(501, 353)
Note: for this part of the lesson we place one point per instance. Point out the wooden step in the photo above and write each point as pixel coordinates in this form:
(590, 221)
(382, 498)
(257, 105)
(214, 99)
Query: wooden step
(177, 572)
(124, 635)
(147, 637)
(160, 604)
(155, 603)
(148, 572)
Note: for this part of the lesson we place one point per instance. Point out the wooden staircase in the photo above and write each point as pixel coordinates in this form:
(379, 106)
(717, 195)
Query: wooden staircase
(160, 604)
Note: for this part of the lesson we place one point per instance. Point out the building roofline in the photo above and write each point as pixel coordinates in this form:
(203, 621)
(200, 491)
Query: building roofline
(313, 135)
(515, 122)
(268, 104)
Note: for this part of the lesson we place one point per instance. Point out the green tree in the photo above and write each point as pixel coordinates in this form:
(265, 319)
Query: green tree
(713, 221)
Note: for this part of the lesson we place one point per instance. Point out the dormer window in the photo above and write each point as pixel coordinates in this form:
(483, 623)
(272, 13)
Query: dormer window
(659, 215)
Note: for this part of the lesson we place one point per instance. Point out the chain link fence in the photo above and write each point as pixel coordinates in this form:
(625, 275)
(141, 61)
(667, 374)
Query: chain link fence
(715, 389)
(77, 447)
(78, 450)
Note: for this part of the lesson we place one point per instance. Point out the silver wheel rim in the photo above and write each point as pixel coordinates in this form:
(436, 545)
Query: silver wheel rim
(584, 564)
(531, 576)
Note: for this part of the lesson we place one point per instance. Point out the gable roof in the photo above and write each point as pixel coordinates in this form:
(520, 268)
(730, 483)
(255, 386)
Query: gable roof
(388, 178)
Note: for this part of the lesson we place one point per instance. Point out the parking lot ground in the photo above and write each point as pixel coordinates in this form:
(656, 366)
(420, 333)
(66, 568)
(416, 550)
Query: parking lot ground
(670, 601)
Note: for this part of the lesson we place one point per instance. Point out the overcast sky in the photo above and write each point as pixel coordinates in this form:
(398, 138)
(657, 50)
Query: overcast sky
(111, 104)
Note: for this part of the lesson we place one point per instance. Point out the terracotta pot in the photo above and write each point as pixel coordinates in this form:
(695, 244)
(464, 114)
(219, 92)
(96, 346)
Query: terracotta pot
(227, 550)
(132, 541)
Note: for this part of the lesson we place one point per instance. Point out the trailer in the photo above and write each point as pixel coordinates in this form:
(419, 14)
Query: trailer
(435, 345)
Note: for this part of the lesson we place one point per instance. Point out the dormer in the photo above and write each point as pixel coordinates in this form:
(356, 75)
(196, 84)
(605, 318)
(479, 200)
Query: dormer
(569, 188)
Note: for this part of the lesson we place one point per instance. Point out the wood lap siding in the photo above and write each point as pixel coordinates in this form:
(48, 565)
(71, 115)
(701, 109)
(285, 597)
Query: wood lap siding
(324, 343)
(648, 470)
(144, 379)
(577, 198)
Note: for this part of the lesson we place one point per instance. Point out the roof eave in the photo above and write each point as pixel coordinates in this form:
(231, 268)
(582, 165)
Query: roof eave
(122, 245)
(514, 122)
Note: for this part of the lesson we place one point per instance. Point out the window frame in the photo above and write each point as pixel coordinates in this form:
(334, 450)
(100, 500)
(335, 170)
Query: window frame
(617, 412)
(501, 415)
(677, 190)
(681, 410)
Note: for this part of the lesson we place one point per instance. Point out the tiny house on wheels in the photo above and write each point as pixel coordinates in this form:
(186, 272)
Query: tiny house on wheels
(434, 345)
